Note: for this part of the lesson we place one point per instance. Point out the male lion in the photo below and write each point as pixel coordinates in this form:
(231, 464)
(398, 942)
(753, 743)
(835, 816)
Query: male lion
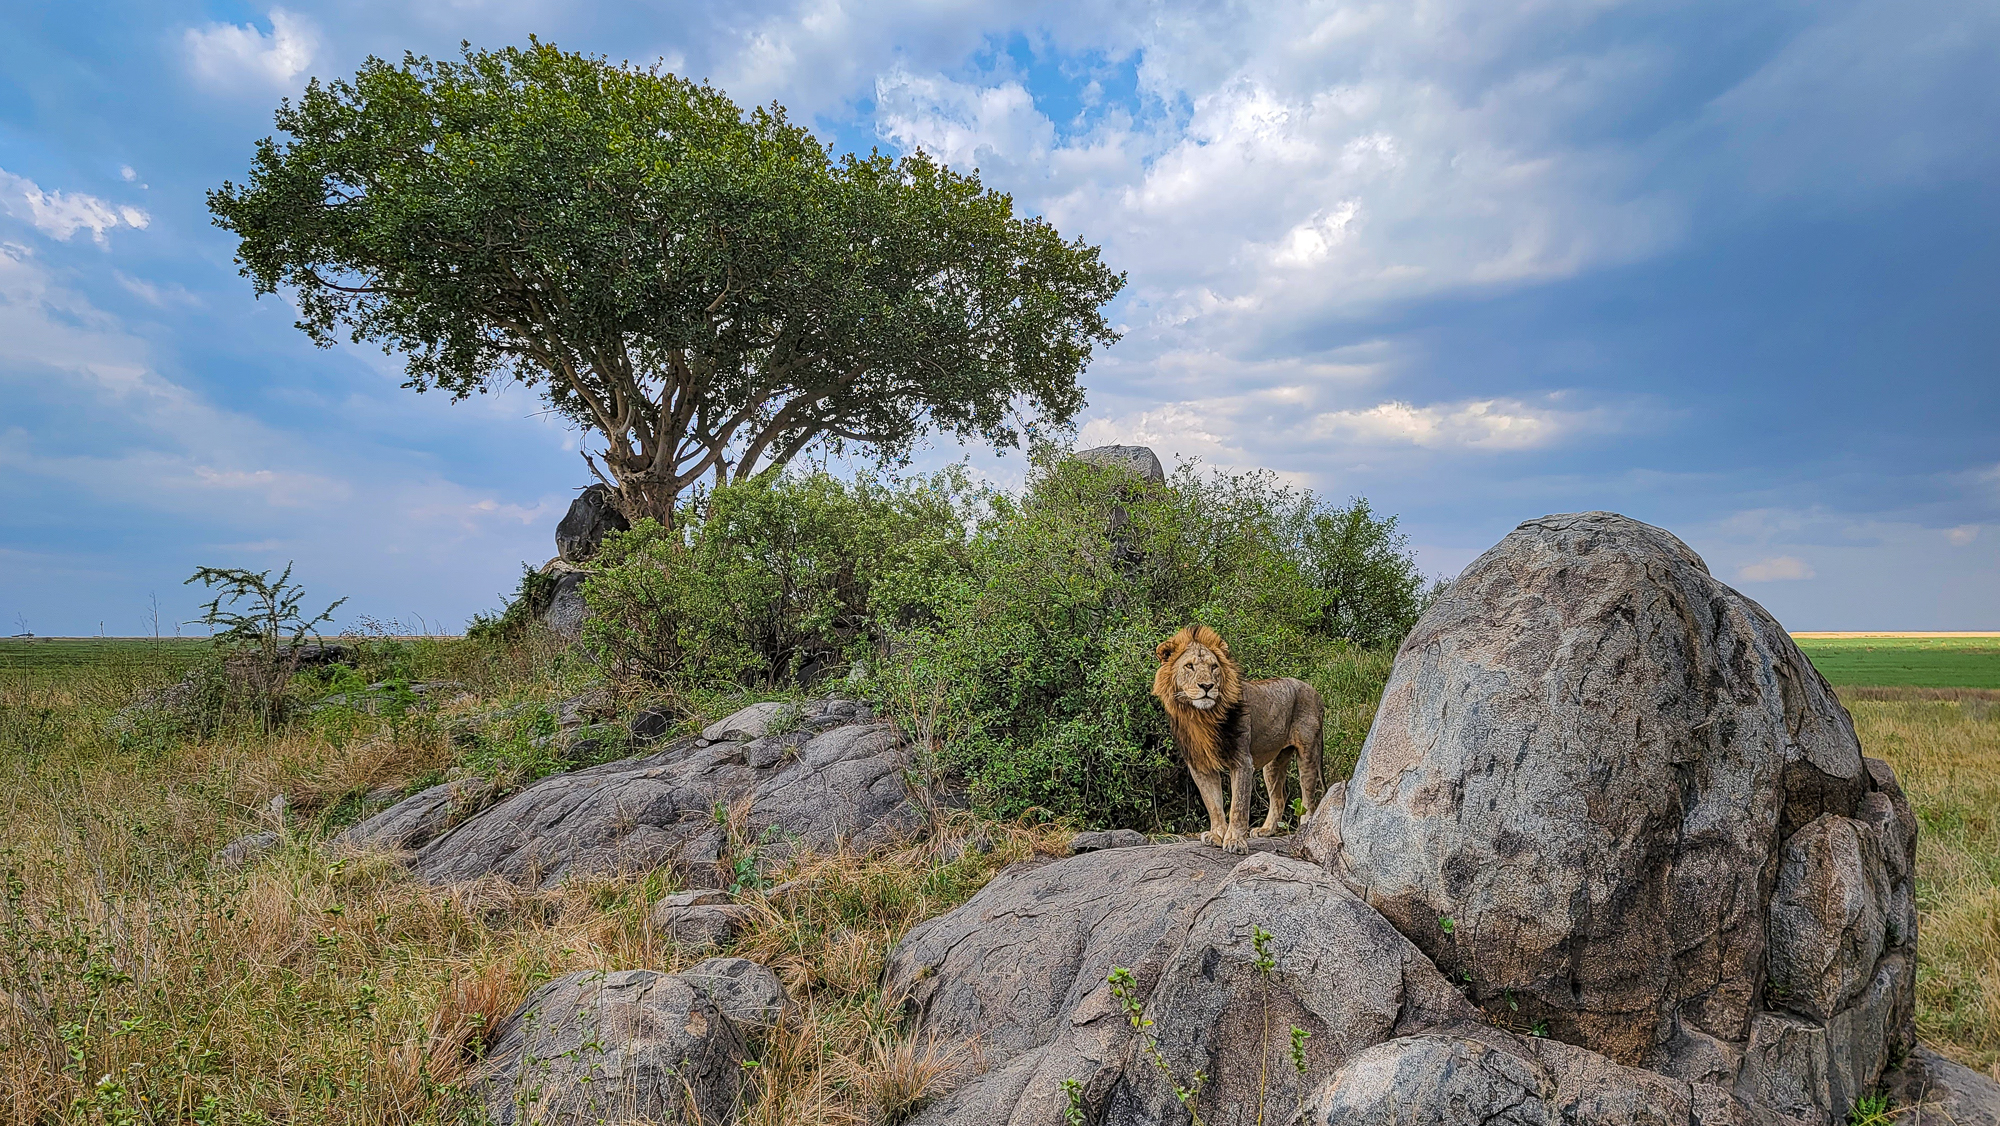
(1220, 721)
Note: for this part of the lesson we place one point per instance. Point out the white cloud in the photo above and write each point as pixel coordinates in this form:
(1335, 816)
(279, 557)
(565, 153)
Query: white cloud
(62, 214)
(1778, 568)
(227, 54)
(158, 296)
(1489, 424)
(1962, 535)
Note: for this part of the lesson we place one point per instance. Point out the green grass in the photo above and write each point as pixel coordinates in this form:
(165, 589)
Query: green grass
(1915, 662)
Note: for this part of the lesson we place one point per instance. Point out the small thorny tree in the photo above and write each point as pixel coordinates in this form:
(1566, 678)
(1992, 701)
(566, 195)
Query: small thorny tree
(710, 291)
(267, 631)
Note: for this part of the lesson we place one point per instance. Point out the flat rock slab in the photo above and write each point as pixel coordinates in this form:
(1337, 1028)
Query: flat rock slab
(817, 787)
(1108, 838)
(1943, 1092)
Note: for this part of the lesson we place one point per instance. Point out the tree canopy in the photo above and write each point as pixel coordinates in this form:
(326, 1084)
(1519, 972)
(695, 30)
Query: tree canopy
(711, 291)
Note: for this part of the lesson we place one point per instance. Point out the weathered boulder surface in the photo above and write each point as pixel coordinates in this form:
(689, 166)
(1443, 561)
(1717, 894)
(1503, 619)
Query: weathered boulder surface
(1140, 461)
(1598, 780)
(247, 850)
(747, 993)
(632, 1045)
(566, 609)
(418, 819)
(1940, 1091)
(592, 515)
(827, 781)
(1021, 968)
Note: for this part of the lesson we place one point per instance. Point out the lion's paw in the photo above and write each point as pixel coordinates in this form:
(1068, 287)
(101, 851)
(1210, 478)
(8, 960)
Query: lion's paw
(1261, 831)
(1211, 837)
(1236, 843)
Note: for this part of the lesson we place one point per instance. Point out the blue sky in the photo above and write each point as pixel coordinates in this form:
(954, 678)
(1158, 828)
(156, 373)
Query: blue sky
(1730, 269)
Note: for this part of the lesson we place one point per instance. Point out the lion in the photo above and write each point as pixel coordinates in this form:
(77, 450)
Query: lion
(1222, 722)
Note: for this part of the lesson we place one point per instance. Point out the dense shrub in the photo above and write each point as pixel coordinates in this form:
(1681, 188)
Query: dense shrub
(777, 580)
(1033, 682)
(1014, 635)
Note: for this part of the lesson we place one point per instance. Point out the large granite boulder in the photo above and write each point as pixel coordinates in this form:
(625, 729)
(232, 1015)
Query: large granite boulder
(1607, 792)
(593, 515)
(626, 1046)
(1021, 968)
(827, 781)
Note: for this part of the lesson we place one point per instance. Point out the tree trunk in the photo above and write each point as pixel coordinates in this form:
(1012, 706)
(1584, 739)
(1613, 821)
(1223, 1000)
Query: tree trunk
(641, 496)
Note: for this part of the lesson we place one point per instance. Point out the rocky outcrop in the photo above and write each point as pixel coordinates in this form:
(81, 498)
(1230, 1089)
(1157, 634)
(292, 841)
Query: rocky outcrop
(631, 1045)
(829, 780)
(247, 850)
(1022, 969)
(418, 819)
(1607, 790)
(592, 515)
(566, 609)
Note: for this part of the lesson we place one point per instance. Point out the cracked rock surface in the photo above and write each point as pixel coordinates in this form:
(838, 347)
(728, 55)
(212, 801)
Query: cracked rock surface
(836, 777)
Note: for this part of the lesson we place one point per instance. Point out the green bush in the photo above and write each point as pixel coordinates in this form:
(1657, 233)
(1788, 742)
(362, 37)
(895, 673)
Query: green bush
(1013, 635)
(1033, 682)
(777, 580)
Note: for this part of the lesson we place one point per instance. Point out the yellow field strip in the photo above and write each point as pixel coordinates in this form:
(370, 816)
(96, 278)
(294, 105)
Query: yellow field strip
(1904, 633)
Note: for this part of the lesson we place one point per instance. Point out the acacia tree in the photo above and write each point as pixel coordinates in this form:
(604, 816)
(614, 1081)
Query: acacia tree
(711, 291)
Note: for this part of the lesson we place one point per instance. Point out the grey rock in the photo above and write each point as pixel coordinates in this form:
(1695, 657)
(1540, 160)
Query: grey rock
(840, 785)
(1137, 460)
(1480, 1075)
(1586, 758)
(593, 515)
(1829, 915)
(564, 615)
(418, 819)
(247, 850)
(750, 723)
(632, 1045)
(649, 724)
(1318, 837)
(746, 992)
(1022, 966)
(1812, 1071)
(1938, 1091)
(701, 924)
(693, 897)
(1108, 838)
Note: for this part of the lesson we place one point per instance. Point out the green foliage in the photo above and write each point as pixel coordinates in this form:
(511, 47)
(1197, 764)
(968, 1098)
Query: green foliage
(780, 579)
(530, 598)
(265, 634)
(1871, 1110)
(711, 290)
(1034, 681)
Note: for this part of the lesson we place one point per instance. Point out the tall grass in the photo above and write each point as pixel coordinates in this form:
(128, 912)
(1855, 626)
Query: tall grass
(1945, 746)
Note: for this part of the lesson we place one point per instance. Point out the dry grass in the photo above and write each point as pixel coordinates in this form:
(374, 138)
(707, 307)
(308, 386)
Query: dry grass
(1945, 746)
(138, 983)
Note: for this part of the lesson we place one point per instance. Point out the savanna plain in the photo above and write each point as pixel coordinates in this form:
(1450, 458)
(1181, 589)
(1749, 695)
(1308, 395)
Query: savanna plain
(141, 981)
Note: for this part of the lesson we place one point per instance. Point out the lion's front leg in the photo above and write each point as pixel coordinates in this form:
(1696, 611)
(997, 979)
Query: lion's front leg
(1242, 787)
(1209, 782)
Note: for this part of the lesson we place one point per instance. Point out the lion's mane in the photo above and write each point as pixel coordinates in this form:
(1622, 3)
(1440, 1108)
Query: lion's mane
(1199, 734)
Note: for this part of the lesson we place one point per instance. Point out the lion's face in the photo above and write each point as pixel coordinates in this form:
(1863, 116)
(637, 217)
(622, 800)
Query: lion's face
(1198, 677)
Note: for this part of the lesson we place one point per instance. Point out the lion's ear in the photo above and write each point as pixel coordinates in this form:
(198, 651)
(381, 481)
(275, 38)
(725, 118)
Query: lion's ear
(1222, 645)
(1164, 651)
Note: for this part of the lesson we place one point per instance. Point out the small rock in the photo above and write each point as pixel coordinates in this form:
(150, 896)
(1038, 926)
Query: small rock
(750, 723)
(567, 609)
(1947, 1092)
(650, 724)
(244, 851)
(627, 1046)
(694, 897)
(1109, 838)
(746, 992)
(1137, 460)
(706, 925)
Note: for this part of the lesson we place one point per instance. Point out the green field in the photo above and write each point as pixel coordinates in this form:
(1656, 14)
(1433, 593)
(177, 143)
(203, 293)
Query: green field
(45, 657)
(1918, 662)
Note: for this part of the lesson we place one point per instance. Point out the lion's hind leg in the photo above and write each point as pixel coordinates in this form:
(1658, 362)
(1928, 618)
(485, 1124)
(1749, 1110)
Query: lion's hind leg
(1277, 780)
(1312, 757)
